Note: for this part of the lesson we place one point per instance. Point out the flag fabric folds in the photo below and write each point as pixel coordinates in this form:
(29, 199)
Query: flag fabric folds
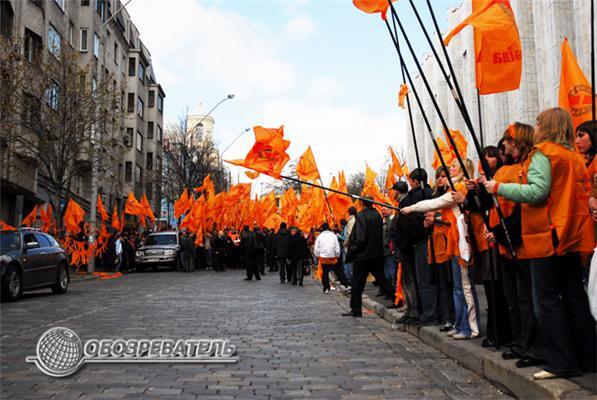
(147, 208)
(73, 216)
(116, 220)
(133, 207)
(268, 154)
(373, 6)
(498, 50)
(30, 218)
(575, 89)
(306, 168)
(402, 95)
(101, 209)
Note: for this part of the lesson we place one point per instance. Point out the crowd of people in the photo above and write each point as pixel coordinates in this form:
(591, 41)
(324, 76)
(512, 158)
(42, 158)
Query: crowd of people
(526, 235)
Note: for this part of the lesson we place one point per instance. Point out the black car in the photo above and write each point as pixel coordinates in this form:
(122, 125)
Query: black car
(31, 260)
(159, 249)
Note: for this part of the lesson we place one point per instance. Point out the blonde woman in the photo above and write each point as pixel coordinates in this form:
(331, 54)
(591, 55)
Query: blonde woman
(556, 229)
(466, 304)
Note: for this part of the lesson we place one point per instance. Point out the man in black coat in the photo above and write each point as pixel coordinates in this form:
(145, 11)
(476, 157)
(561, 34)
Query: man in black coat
(299, 253)
(259, 249)
(247, 253)
(281, 251)
(365, 251)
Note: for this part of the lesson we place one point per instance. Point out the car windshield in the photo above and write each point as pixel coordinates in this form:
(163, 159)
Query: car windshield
(160, 240)
(9, 241)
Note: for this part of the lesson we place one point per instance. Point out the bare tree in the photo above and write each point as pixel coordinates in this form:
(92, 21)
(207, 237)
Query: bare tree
(189, 159)
(355, 183)
(53, 111)
(279, 186)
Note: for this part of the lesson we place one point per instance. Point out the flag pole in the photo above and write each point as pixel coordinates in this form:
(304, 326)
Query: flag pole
(480, 119)
(353, 196)
(394, 37)
(325, 195)
(593, 57)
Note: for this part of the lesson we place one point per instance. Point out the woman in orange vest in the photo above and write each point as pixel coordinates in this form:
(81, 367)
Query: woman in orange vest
(441, 246)
(586, 143)
(556, 229)
(517, 142)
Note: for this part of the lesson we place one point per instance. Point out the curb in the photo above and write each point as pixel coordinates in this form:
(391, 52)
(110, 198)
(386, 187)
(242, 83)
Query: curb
(486, 363)
(78, 278)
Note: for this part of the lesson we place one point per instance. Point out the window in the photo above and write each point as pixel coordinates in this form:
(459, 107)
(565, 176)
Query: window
(60, 4)
(128, 171)
(160, 103)
(128, 139)
(84, 45)
(138, 174)
(7, 17)
(115, 53)
(149, 161)
(42, 240)
(150, 130)
(139, 141)
(139, 107)
(31, 111)
(52, 96)
(130, 104)
(71, 33)
(132, 66)
(159, 134)
(158, 164)
(141, 72)
(33, 44)
(96, 45)
(151, 99)
(84, 2)
(53, 41)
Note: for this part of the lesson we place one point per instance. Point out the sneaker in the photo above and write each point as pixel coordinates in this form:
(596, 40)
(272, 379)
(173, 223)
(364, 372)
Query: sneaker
(460, 336)
(544, 375)
(327, 291)
(452, 332)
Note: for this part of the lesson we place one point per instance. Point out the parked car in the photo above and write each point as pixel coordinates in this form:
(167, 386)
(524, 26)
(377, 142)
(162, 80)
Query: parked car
(31, 260)
(160, 249)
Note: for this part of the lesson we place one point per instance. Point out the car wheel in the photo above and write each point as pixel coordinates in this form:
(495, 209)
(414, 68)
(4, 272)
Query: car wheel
(61, 285)
(12, 284)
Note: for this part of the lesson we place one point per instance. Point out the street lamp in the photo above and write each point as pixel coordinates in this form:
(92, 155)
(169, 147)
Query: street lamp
(227, 147)
(229, 97)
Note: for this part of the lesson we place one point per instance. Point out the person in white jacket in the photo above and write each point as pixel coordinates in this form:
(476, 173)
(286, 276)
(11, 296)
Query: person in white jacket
(327, 251)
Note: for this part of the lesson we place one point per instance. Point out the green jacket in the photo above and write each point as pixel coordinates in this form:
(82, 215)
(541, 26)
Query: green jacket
(537, 189)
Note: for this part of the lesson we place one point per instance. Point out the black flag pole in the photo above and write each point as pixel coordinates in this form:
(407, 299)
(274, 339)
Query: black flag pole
(593, 56)
(480, 120)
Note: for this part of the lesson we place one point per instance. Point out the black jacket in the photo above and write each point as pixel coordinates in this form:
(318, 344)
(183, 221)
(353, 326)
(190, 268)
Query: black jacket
(366, 238)
(282, 244)
(247, 243)
(408, 231)
(299, 250)
(259, 241)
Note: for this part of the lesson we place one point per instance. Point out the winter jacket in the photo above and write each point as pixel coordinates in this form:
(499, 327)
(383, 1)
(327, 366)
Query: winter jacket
(366, 239)
(327, 245)
(282, 244)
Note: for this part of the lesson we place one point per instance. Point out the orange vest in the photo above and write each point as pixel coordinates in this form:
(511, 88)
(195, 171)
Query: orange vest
(506, 174)
(565, 210)
(593, 175)
(444, 239)
(478, 228)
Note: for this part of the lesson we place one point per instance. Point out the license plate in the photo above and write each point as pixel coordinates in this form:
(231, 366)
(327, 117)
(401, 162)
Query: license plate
(153, 260)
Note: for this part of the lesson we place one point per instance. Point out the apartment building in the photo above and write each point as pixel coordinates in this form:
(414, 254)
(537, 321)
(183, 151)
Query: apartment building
(109, 44)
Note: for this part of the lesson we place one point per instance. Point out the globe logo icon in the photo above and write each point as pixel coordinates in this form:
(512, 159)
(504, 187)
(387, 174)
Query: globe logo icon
(59, 352)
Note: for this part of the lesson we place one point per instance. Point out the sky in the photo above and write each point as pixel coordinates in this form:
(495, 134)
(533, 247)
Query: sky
(322, 68)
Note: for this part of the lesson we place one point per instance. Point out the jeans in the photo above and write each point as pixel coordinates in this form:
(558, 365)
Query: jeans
(286, 273)
(390, 270)
(562, 309)
(119, 264)
(466, 303)
(348, 270)
(427, 290)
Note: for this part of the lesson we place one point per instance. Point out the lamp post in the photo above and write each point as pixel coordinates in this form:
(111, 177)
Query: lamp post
(198, 124)
(229, 145)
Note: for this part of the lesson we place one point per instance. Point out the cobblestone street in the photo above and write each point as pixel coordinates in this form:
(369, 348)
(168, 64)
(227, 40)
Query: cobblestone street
(292, 343)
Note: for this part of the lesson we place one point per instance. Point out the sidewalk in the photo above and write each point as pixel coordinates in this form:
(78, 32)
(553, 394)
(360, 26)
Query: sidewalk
(487, 362)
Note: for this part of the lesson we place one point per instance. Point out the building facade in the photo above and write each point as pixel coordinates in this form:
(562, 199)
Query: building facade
(542, 25)
(108, 45)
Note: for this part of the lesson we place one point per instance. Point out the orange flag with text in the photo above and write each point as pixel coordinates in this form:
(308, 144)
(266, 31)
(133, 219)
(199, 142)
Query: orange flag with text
(575, 90)
(306, 168)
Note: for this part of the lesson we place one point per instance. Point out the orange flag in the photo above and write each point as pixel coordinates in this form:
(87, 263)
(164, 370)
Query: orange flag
(390, 179)
(147, 208)
(396, 166)
(5, 227)
(46, 218)
(306, 168)
(132, 206)
(575, 90)
(30, 218)
(498, 50)
(460, 141)
(402, 94)
(252, 174)
(73, 216)
(447, 154)
(100, 208)
(373, 6)
(115, 220)
(207, 186)
(182, 205)
(268, 154)
(370, 188)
